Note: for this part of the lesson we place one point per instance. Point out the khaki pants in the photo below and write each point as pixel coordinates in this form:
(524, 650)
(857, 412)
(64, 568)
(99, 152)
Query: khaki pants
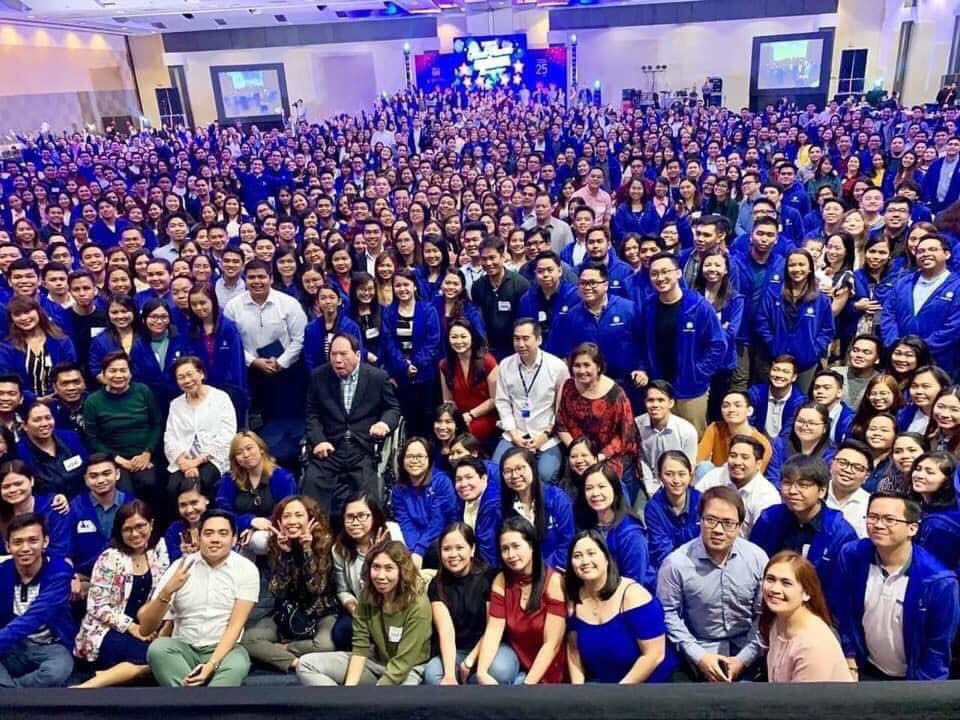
(694, 411)
(330, 668)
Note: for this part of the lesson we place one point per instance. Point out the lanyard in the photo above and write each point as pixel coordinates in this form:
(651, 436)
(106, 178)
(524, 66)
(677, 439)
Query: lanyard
(528, 388)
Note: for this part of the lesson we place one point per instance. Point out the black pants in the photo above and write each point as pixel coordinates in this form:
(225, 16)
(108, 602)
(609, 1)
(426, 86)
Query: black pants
(418, 403)
(871, 673)
(208, 481)
(331, 480)
(150, 486)
(719, 386)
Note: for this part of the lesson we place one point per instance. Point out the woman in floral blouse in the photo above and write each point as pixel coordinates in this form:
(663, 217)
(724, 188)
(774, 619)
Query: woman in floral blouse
(121, 582)
(593, 405)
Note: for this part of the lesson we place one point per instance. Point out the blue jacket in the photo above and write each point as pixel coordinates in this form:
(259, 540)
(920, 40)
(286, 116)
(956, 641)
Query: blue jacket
(171, 539)
(929, 187)
(427, 290)
(618, 332)
(807, 340)
(487, 527)
(938, 321)
(86, 542)
(731, 318)
(50, 609)
(782, 453)
(618, 274)
(775, 524)
(666, 530)
(940, 536)
(143, 363)
(843, 424)
(103, 236)
(534, 305)
(58, 528)
(60, 474)
(796, 197)
(754, 292)
(760, 396)
(14, 360)
(626, 221)
(865, 289)
(427, 348)
(315, 338)
(699, 344)
(931, 610)
(282, 485)
(228, 369)
(471, 314)
(627, 541)
(422, 511)
(740, 247)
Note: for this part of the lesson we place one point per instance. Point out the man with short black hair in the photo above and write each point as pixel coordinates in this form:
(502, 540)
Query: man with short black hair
(776, 402)
(36, 627)
(560, 233)
(206, 598)
(552, 297)
(849, 470)
(863, 362)
(827, 389)
(497, 295)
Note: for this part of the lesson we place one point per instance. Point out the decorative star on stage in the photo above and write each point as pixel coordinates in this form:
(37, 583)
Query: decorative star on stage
(517, 80)
(467, 82)
(518, 66)
(504, 80)
(465, 70)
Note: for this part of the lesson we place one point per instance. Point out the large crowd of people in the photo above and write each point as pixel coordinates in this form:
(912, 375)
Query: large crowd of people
(484, 389)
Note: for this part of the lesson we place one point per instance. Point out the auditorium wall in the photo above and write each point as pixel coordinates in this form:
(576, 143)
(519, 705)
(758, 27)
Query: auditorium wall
(65, 78)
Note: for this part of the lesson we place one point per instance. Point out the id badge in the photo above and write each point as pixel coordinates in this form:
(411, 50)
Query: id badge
(525, 409)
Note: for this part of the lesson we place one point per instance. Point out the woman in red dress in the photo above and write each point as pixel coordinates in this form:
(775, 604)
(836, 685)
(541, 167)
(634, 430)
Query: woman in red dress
(468, 377)
(527, 610)
(593, 405)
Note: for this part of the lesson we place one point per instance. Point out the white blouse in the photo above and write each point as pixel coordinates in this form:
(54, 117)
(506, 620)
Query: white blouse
(206, 429)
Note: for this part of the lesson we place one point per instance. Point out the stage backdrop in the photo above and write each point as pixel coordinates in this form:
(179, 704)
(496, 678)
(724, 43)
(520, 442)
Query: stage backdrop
(486, 61)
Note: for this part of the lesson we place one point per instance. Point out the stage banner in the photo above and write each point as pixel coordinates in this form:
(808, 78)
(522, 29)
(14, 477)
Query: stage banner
(483, 63)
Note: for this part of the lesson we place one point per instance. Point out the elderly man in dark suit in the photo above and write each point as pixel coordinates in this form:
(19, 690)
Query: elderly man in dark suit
(350, 406)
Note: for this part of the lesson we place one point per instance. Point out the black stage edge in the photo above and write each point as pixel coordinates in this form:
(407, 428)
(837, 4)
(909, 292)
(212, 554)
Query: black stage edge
(877, 701)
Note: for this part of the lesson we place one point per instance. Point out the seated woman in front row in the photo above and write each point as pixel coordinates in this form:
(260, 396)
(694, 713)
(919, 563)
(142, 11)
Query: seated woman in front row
(616, 627)
(391, 628)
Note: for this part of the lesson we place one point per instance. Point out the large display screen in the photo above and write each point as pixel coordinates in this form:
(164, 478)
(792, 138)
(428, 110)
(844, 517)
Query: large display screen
(250, 93)
(789, 64)
(488, 61)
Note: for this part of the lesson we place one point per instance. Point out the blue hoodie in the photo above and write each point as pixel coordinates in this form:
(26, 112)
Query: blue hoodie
(282, 485)
(426, 346)
(931, 610)
(228, 370)
(665, 529)
(315, 338)
(50, 609)
(808, 338)
(776, 524)
(760, 397)
(700, 345)
(618, 333)
(938, 321)
(628, 545)
(421, 512)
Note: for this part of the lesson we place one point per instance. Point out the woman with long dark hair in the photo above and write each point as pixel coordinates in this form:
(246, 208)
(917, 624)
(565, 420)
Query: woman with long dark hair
(810, 435)
(616, 632)
(35, 344)
(367, 313)
(527, 610)
(468, 377)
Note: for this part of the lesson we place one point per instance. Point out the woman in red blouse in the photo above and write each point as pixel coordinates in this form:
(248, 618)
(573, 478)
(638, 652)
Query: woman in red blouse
(593, 405)
(527, 609)
(468, 378)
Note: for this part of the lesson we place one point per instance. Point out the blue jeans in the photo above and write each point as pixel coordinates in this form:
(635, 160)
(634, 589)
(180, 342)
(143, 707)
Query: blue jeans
(504, 669)
(548, 461)
(32, 665)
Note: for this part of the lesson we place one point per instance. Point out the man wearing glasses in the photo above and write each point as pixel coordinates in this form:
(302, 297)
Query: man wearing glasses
(849, 470)
(710, 590)
(898, 615)
(803, 523)
(684, 343)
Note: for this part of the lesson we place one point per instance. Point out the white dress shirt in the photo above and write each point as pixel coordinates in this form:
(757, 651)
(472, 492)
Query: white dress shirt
(527, 396)
(677, 434)
(204, 429)
(758, 494)
(854, 508)
(883, 619)
(279, 318)
(201, 609)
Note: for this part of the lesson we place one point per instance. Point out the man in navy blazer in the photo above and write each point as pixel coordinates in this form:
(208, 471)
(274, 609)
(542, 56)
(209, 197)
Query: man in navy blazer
(941, 184)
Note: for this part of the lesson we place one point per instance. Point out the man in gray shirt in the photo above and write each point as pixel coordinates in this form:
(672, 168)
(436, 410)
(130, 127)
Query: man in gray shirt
(560, 233)
(710, 589)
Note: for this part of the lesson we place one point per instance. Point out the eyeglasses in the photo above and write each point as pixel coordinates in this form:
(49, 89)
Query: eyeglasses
(418, 456)
(809, 423)
(354, 518)
(591, 284)
(887, 520)
(514, 472)
(138, 528)
(799, 484)
(711, 522)
(847, 465)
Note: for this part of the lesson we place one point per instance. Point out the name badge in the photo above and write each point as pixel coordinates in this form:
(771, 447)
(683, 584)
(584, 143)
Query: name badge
(72, 463)
(394, 634)
(805, 550)
(96, 331)
(542, 316)
(85, 527)
(504, 306)
(372, 333)
(524, 408)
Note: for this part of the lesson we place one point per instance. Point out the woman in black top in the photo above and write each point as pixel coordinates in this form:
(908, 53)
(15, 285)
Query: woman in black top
(366, 312)
(458, 595)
